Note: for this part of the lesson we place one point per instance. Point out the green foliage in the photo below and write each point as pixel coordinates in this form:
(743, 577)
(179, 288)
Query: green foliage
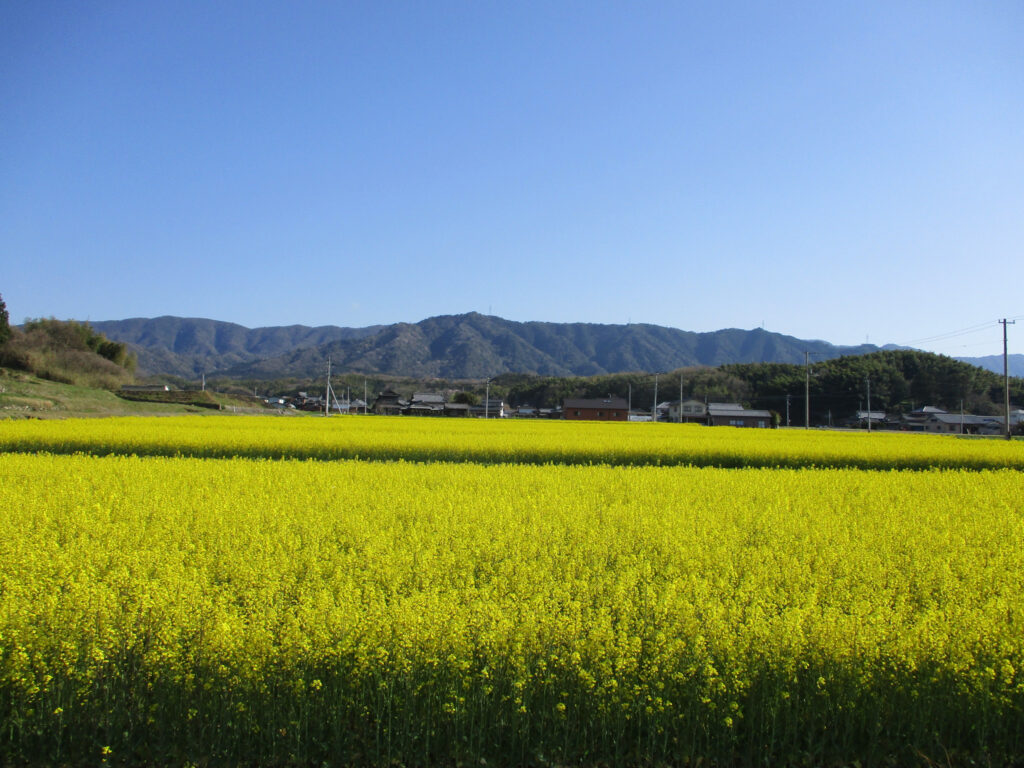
(5, 323)
(81, 336)
(711, 384)
(68, 352)
(901, 380)
(466, 398)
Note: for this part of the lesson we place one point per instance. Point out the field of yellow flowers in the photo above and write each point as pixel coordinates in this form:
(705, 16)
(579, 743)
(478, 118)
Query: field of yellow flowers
(197, 591)
(500, 441)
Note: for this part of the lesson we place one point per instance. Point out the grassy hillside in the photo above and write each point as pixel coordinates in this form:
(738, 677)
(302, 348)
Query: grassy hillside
(23, 395)
(68, 352)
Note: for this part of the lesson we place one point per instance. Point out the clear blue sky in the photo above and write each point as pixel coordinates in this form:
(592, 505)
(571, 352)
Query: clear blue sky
(837, 170)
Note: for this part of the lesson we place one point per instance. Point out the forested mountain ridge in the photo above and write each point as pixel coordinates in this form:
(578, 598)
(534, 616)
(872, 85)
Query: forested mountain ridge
(188, 347)
(452, 346)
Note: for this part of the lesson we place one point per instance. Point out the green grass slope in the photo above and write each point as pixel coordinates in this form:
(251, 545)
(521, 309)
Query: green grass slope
(23, 395)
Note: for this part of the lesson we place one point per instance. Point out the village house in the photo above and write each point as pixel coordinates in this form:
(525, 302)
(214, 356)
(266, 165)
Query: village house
(688, 411)
(489, 409)
(938, 421)
(389, 403)
(426, 404)
(596, 409)
(347, 407)
(735, 415)
(915, 420)
(457, 410)
(878, 419)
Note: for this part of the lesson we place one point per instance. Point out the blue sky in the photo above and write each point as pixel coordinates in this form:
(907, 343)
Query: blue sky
(846, 171)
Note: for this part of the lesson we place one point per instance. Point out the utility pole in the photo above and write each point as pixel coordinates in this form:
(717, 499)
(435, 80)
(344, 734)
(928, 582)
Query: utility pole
(327, 392)
(787, 409)
(680, 398)
(807, 389)
(629, 407)
(654, 408)
(1006, 380)
(487, 401)
(867, 380)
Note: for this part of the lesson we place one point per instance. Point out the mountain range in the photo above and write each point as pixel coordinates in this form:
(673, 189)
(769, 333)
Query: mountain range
(994, 363)
(458, 347)
(450, 346)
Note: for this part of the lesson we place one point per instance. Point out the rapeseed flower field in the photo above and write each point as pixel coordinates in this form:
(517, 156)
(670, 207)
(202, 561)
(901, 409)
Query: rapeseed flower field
(242, 591)
(502, 441)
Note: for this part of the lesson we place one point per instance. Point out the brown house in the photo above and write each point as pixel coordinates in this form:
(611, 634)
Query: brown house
(601, 409)
(390, 403)
(735, 415)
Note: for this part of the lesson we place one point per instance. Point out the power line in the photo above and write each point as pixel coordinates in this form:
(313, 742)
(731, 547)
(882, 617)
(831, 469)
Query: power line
(952, 334)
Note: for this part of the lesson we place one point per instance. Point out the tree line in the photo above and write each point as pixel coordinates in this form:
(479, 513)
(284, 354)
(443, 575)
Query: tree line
(900, 381)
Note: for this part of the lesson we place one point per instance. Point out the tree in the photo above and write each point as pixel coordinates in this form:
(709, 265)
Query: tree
(5, 323)
(466, 398)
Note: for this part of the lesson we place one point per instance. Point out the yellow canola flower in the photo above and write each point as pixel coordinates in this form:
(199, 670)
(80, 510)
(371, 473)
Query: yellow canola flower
(534, 441)
(256, 604)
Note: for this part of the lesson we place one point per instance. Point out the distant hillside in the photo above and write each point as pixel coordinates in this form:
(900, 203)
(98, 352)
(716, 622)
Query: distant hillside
(994, 363)
(189, 347)
(450, 346)
(477, 346)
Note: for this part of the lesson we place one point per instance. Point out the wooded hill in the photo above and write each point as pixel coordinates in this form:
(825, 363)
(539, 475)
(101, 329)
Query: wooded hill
(900, 381)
